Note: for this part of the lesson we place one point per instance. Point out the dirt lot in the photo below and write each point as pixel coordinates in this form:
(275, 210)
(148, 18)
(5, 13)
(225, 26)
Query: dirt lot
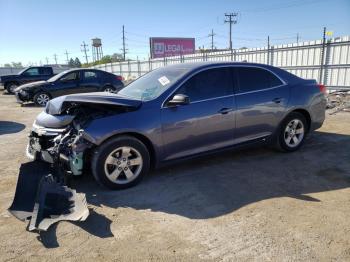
(255, 204)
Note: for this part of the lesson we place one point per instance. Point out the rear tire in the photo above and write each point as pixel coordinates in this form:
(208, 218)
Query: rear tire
(120, 163)
(110, 89)
(291, 133)
(41, 98)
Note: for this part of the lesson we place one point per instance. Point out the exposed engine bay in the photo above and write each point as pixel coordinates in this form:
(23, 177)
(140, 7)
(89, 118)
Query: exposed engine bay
(58, 150)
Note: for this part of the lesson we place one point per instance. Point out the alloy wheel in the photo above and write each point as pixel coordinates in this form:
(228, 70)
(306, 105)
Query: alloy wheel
(294, 133)
(123, 165)
(42, 99)
(12, 87)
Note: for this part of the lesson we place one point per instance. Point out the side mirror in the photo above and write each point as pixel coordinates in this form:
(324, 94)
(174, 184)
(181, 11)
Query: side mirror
(179, 99)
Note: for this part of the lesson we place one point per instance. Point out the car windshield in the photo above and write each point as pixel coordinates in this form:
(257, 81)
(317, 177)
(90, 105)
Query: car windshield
(20, 72)
(58, 76)
(153, 84)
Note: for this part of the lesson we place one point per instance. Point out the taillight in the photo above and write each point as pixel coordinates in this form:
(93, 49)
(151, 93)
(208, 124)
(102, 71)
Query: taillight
(323, 89)
(120, 78)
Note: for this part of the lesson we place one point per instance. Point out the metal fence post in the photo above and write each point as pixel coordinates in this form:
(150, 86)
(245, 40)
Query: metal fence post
(138, 67)
(322, 55)
(326, 62)
(129, 69)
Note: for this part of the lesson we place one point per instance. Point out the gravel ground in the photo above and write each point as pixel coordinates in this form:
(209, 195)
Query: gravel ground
(254, 204)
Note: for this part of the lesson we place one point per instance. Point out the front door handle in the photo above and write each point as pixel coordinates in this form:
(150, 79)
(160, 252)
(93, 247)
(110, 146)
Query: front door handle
(225, 110)
(277, 100)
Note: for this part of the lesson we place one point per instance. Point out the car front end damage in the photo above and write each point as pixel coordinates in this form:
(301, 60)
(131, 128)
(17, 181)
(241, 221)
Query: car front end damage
(58, 150)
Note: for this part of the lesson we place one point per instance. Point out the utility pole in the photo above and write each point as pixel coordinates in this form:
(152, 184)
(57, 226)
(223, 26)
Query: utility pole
(268, 49)
(231, 19)
(66, 53)
(322, 54)
(85, 50)
(212, 39)
(298, 37)
(47, 60)
(124, 50)
(55, 57)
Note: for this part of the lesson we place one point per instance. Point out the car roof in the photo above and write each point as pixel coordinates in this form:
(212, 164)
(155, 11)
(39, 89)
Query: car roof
(85, 69)
(197, 65)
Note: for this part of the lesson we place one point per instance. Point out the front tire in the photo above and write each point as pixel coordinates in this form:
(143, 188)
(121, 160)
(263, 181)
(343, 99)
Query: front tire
(292, 132)
(10, 87)
(120, 163)
(41, 98)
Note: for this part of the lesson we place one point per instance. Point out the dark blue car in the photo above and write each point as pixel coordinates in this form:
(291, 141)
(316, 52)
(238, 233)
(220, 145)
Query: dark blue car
(68, 82)
(176, 112)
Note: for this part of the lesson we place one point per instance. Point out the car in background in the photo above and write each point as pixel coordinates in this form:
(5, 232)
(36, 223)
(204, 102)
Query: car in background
(69, 82)
(176, 112)
(27, 75)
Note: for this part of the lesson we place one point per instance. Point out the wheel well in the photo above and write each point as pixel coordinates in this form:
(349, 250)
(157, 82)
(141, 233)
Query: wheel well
(144, 140)
(10, 82)
(42, 91)
(307, 116)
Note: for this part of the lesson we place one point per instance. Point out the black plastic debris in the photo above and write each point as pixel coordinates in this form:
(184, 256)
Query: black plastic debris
(42, 197)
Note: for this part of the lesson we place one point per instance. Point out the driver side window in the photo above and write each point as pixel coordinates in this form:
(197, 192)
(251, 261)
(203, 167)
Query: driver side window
(32, 72)
(69, 77)
(208, 84)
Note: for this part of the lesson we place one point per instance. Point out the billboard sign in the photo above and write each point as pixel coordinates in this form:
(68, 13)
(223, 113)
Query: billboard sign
(166, 46)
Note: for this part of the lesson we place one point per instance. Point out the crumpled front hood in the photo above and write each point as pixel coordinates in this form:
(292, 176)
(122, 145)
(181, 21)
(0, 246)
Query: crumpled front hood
(58, 105)
(32, 85)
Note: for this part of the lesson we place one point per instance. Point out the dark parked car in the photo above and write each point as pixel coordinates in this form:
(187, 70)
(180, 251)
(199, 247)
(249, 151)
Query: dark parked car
(69, 82)
(27, 75)
(176, 112)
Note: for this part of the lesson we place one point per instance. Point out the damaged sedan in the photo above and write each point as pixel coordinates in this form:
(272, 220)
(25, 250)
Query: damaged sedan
(176, 112)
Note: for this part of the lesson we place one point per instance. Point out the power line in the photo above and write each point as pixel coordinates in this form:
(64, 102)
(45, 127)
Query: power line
(124, 50)
(212, 39)
(85, 50)
(231, 20)
(55, 58)
(66, 53)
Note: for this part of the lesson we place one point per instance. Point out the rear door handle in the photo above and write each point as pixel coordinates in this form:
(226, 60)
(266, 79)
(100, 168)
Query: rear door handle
(225, 110)
(277, 100)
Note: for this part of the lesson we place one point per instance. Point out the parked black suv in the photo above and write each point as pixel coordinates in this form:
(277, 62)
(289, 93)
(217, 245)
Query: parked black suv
(69, 82)
(27, 75)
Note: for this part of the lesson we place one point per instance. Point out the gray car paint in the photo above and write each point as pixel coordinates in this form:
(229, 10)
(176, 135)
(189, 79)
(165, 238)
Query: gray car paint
(182, 131)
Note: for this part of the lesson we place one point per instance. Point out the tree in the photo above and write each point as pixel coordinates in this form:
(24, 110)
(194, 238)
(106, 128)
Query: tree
(71, 63)
(117, 57)
(106, 59)
(16, 64)
(7, 65)
(77, 62)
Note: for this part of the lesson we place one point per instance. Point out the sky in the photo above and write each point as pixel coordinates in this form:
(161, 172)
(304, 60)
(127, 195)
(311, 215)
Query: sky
(33, 30)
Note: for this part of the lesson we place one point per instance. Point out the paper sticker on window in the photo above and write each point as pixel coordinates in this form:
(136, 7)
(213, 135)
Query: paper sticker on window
(164, 80)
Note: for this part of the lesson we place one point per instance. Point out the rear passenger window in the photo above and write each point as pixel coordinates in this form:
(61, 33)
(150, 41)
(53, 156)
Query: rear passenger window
(208, 84)
(44, 71)
(90, 75)
(252, 79)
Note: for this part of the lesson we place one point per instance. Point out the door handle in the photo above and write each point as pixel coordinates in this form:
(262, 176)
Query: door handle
(277, 100)
(225, 110)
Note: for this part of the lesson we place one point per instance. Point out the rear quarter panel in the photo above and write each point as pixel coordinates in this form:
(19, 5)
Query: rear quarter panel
(308, 97)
